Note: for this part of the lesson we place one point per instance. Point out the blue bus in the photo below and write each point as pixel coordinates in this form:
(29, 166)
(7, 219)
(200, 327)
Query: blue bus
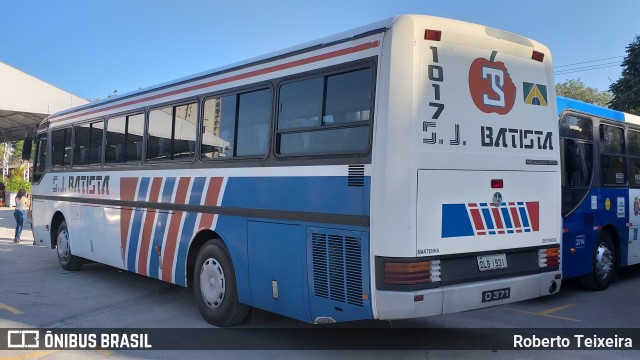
(600, 149)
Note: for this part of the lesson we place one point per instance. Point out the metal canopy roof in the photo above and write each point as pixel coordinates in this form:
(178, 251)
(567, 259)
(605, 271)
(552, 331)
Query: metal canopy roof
(15, 125)
(25, 101)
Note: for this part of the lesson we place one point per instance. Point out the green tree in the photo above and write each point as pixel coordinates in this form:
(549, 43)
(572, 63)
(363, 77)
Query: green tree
(16, 180)
(576, 89)
(626, 91)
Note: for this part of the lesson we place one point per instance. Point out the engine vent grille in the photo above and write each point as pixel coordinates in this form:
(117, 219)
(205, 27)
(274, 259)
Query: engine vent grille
(337, 267)
(356, 175)
(589, 221)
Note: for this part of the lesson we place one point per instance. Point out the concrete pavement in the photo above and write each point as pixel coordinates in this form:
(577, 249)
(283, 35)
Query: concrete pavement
(8, 227)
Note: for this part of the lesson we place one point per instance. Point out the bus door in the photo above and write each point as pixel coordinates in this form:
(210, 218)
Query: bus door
(633, 256)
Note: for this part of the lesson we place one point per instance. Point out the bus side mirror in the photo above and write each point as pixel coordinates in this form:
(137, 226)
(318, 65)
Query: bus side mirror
(26, 148)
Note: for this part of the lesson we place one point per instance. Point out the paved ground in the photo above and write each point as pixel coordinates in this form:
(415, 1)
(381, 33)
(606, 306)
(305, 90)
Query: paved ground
(8, 227)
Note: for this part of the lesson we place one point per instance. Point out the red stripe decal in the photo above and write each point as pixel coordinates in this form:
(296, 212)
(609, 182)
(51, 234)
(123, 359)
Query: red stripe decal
(149, 222)
(497, 218)
(285, 66)
(534, 215)
(477, 219)
(174, 227)
(211, 199)
(515, 217)
(127, 193)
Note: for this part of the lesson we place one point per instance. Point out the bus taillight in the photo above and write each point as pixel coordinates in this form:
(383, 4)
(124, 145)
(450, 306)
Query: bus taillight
(537, 56)
(411, 273)
(549, 257)
(433, 35)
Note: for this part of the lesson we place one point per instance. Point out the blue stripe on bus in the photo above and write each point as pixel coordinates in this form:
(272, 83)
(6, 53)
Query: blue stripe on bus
(161, 226)
(523, 216)
(455, 221)
(486, 214)
(187, 231)
(134, 237)
(317, 194)
(507, 218)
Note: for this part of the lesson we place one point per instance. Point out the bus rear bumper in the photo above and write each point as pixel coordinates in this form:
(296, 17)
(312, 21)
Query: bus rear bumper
(464, 297)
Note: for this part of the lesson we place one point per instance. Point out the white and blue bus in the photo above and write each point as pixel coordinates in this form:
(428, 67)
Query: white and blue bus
(403, 169)
(600, 191)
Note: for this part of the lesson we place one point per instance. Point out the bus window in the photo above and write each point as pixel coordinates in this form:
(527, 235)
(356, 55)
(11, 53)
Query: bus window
(577, 160)
(254, 111)
(124, 139)
(326, 115)
(172, 132)
(88, 144)
(61, 147)
(634, 158)
(40, 157)
(578, 164)
(576, 128)
(219, 127)
(612, 160)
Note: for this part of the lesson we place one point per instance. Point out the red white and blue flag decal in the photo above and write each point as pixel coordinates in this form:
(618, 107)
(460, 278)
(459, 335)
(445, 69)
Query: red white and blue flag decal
(486, 219)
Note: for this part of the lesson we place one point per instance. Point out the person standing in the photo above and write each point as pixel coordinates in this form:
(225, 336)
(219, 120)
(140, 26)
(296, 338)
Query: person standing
(20, 214)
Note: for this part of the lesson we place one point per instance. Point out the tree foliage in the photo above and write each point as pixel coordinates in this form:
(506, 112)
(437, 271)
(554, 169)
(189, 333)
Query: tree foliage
(626, 91)
(16, 180)
(576, 89)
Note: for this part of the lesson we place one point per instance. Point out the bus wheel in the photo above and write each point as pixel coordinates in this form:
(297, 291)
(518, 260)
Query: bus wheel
(604, 264)
(215, 286)
(67, 260)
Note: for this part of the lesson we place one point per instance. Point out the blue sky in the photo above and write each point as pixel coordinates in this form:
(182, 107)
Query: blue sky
(93, 47)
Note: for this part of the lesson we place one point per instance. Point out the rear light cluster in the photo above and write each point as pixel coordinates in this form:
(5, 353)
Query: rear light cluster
(549, 257)
(411, 273)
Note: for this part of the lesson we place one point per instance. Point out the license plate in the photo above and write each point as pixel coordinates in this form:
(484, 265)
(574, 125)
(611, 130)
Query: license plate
(497, 294)
(492, 262)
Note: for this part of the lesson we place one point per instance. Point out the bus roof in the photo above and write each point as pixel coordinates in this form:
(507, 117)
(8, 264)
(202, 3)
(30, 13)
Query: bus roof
(356, 33)
(565, 103)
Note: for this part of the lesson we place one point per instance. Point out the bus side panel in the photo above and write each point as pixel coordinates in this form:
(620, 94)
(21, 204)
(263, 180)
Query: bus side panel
(317, 194)
(277, 268)
(601, 207)
(633, 206)
(100, 241)
(233, 231)
(581, 236)
(327, 263)
(39, 219)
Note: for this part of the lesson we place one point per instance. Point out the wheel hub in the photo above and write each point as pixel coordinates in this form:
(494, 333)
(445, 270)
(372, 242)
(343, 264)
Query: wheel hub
(63, 245)
(212, 283)
(604, 261)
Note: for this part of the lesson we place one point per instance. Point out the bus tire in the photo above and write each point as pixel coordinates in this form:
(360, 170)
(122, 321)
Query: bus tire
(67, 260)
(215, 286)
(604, 264)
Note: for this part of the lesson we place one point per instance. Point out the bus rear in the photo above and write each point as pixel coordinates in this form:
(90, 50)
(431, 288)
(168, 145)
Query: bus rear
(466, 181)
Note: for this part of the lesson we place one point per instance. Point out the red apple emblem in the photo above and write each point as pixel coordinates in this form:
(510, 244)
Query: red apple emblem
(490, 86)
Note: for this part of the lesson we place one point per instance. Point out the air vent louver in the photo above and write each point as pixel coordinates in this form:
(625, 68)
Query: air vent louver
(356, 175)
(337, 267)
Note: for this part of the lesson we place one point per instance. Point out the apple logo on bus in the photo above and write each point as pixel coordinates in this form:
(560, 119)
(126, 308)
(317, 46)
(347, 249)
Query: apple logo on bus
(490, 85)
